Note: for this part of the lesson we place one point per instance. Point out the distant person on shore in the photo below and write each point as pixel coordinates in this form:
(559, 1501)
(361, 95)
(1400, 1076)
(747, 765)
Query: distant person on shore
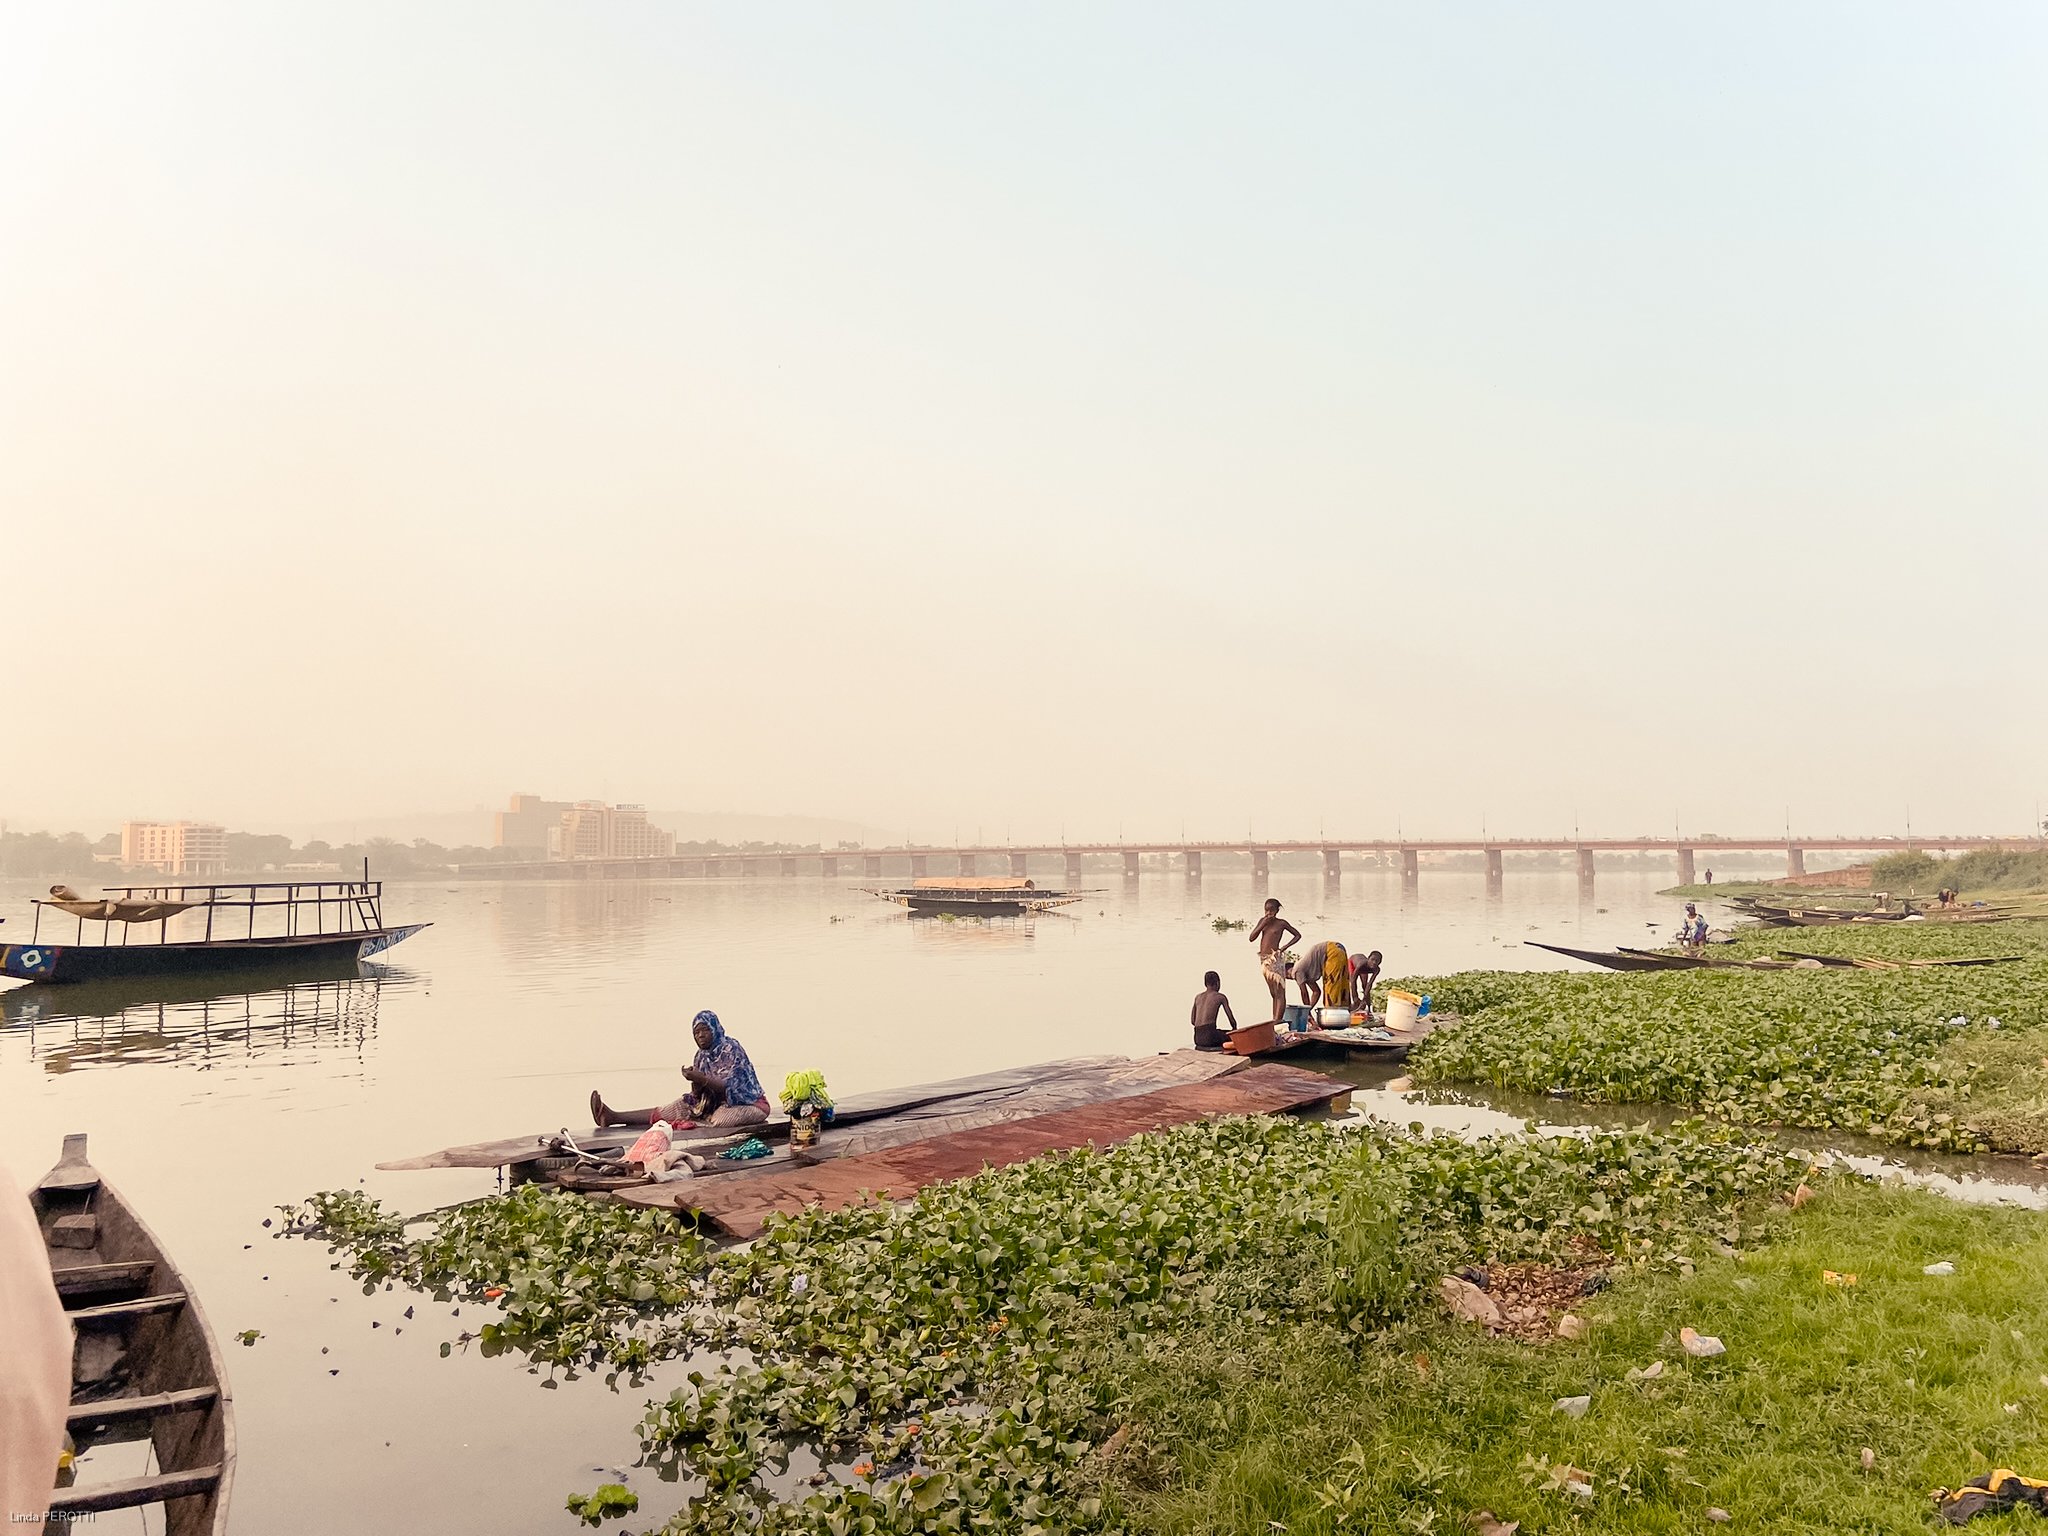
(1710, 877)
(723, 1087)
(1273, 934)
(1365, 974)
(1209, 1002)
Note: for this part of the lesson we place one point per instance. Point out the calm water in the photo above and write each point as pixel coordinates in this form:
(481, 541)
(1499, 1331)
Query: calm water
(209, 1112)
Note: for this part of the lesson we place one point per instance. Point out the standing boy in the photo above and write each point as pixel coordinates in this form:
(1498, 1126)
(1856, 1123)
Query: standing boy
(1273, 934)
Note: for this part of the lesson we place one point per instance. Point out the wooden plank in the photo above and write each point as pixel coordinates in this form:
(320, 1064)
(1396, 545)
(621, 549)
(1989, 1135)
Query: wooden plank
(90, 1279)
(742, 1206)
(853, 1109)
(609, 1142)
(115, 1410)
(117, 1311)
(135, 1490)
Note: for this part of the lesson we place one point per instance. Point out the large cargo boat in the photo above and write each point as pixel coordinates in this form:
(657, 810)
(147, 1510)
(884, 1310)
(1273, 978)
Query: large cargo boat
(312, 922)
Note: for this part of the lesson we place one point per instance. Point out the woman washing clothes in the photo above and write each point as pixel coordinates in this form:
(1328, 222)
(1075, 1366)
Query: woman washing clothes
(723, 1087)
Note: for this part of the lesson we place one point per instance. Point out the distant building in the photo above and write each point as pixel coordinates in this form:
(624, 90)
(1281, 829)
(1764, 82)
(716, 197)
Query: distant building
(529, 823)
(590, 829)
(194, 849)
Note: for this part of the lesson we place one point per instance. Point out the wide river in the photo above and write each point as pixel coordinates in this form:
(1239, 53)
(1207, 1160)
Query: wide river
(210, 1112)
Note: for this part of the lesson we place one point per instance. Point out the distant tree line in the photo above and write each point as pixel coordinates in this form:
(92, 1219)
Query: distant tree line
(53, 853)
(1981, 869)
(70, 856)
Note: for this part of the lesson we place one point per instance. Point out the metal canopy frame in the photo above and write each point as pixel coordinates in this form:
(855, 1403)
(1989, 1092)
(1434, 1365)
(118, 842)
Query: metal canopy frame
(358, 906)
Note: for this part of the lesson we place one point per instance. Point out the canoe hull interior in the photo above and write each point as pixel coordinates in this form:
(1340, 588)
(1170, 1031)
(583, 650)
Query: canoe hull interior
(110, 962)
(145, 1365)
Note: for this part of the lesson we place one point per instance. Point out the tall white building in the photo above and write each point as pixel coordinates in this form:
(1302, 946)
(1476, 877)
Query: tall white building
(187, 849)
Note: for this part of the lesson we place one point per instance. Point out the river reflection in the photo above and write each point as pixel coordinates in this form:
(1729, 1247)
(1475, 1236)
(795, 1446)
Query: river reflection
(195, 1021)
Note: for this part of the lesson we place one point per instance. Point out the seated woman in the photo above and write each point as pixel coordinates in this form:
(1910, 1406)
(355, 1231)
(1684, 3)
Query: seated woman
(724, 1089)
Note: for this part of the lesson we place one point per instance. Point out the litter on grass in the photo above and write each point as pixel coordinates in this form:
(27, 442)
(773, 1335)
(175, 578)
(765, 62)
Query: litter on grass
(1943, 1268)
(1701, 1346)
(1999, 1489)
(1573, 1407)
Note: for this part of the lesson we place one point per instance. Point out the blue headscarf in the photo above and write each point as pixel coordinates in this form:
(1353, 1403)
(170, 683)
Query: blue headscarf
(726, 1061)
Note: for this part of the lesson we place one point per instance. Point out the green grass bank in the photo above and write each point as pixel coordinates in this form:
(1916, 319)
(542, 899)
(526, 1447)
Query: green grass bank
(1950, 1059)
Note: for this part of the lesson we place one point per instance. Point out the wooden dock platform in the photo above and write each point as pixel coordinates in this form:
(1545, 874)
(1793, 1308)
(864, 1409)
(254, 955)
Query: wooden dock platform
(740, 1203)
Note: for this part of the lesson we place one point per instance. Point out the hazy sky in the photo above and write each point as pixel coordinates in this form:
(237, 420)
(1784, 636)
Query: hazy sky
(1036, 417)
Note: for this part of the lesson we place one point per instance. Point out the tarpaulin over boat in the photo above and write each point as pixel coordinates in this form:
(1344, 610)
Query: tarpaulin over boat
(70, 902)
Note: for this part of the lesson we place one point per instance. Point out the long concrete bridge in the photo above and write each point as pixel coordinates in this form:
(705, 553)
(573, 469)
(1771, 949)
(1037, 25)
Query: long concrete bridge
(1014, 858)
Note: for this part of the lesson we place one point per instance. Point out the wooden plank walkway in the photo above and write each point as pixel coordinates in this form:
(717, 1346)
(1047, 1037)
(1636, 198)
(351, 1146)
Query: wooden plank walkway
(740, 1204)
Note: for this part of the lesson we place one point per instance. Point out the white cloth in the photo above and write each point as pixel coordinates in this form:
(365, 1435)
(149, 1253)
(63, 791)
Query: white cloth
(35, 1361)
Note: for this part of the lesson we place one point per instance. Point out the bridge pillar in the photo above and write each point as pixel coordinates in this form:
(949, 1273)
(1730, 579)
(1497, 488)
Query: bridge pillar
(1194, 858)
(750, 866)
(1073, 869)
(1130, 864)
(967, 865)
(789, 866)
(1262, 863)
(1411, 866)
(1333, 863)
(831, 865)
(917, 866)
(1585, 866)
(1795, 861)
(1017, 865)
(1685, 866)
(1495, 870)
(871, 866)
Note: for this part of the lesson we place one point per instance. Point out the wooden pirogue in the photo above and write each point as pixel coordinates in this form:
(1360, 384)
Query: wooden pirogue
(741, 1206)
(145, 1366)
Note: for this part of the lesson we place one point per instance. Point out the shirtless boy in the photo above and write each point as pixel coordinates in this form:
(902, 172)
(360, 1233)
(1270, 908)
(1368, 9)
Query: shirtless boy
(1273, 934)
(1209, 1002)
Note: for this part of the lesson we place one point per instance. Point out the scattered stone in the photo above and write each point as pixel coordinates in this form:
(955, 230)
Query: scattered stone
(1701, 1346)
(1869, 1459)
(1468, 1303)
(1943, 1268)
(1718, 1516)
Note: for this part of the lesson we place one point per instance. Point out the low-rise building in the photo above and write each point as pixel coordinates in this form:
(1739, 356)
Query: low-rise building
(184, 849)
(590, 829)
